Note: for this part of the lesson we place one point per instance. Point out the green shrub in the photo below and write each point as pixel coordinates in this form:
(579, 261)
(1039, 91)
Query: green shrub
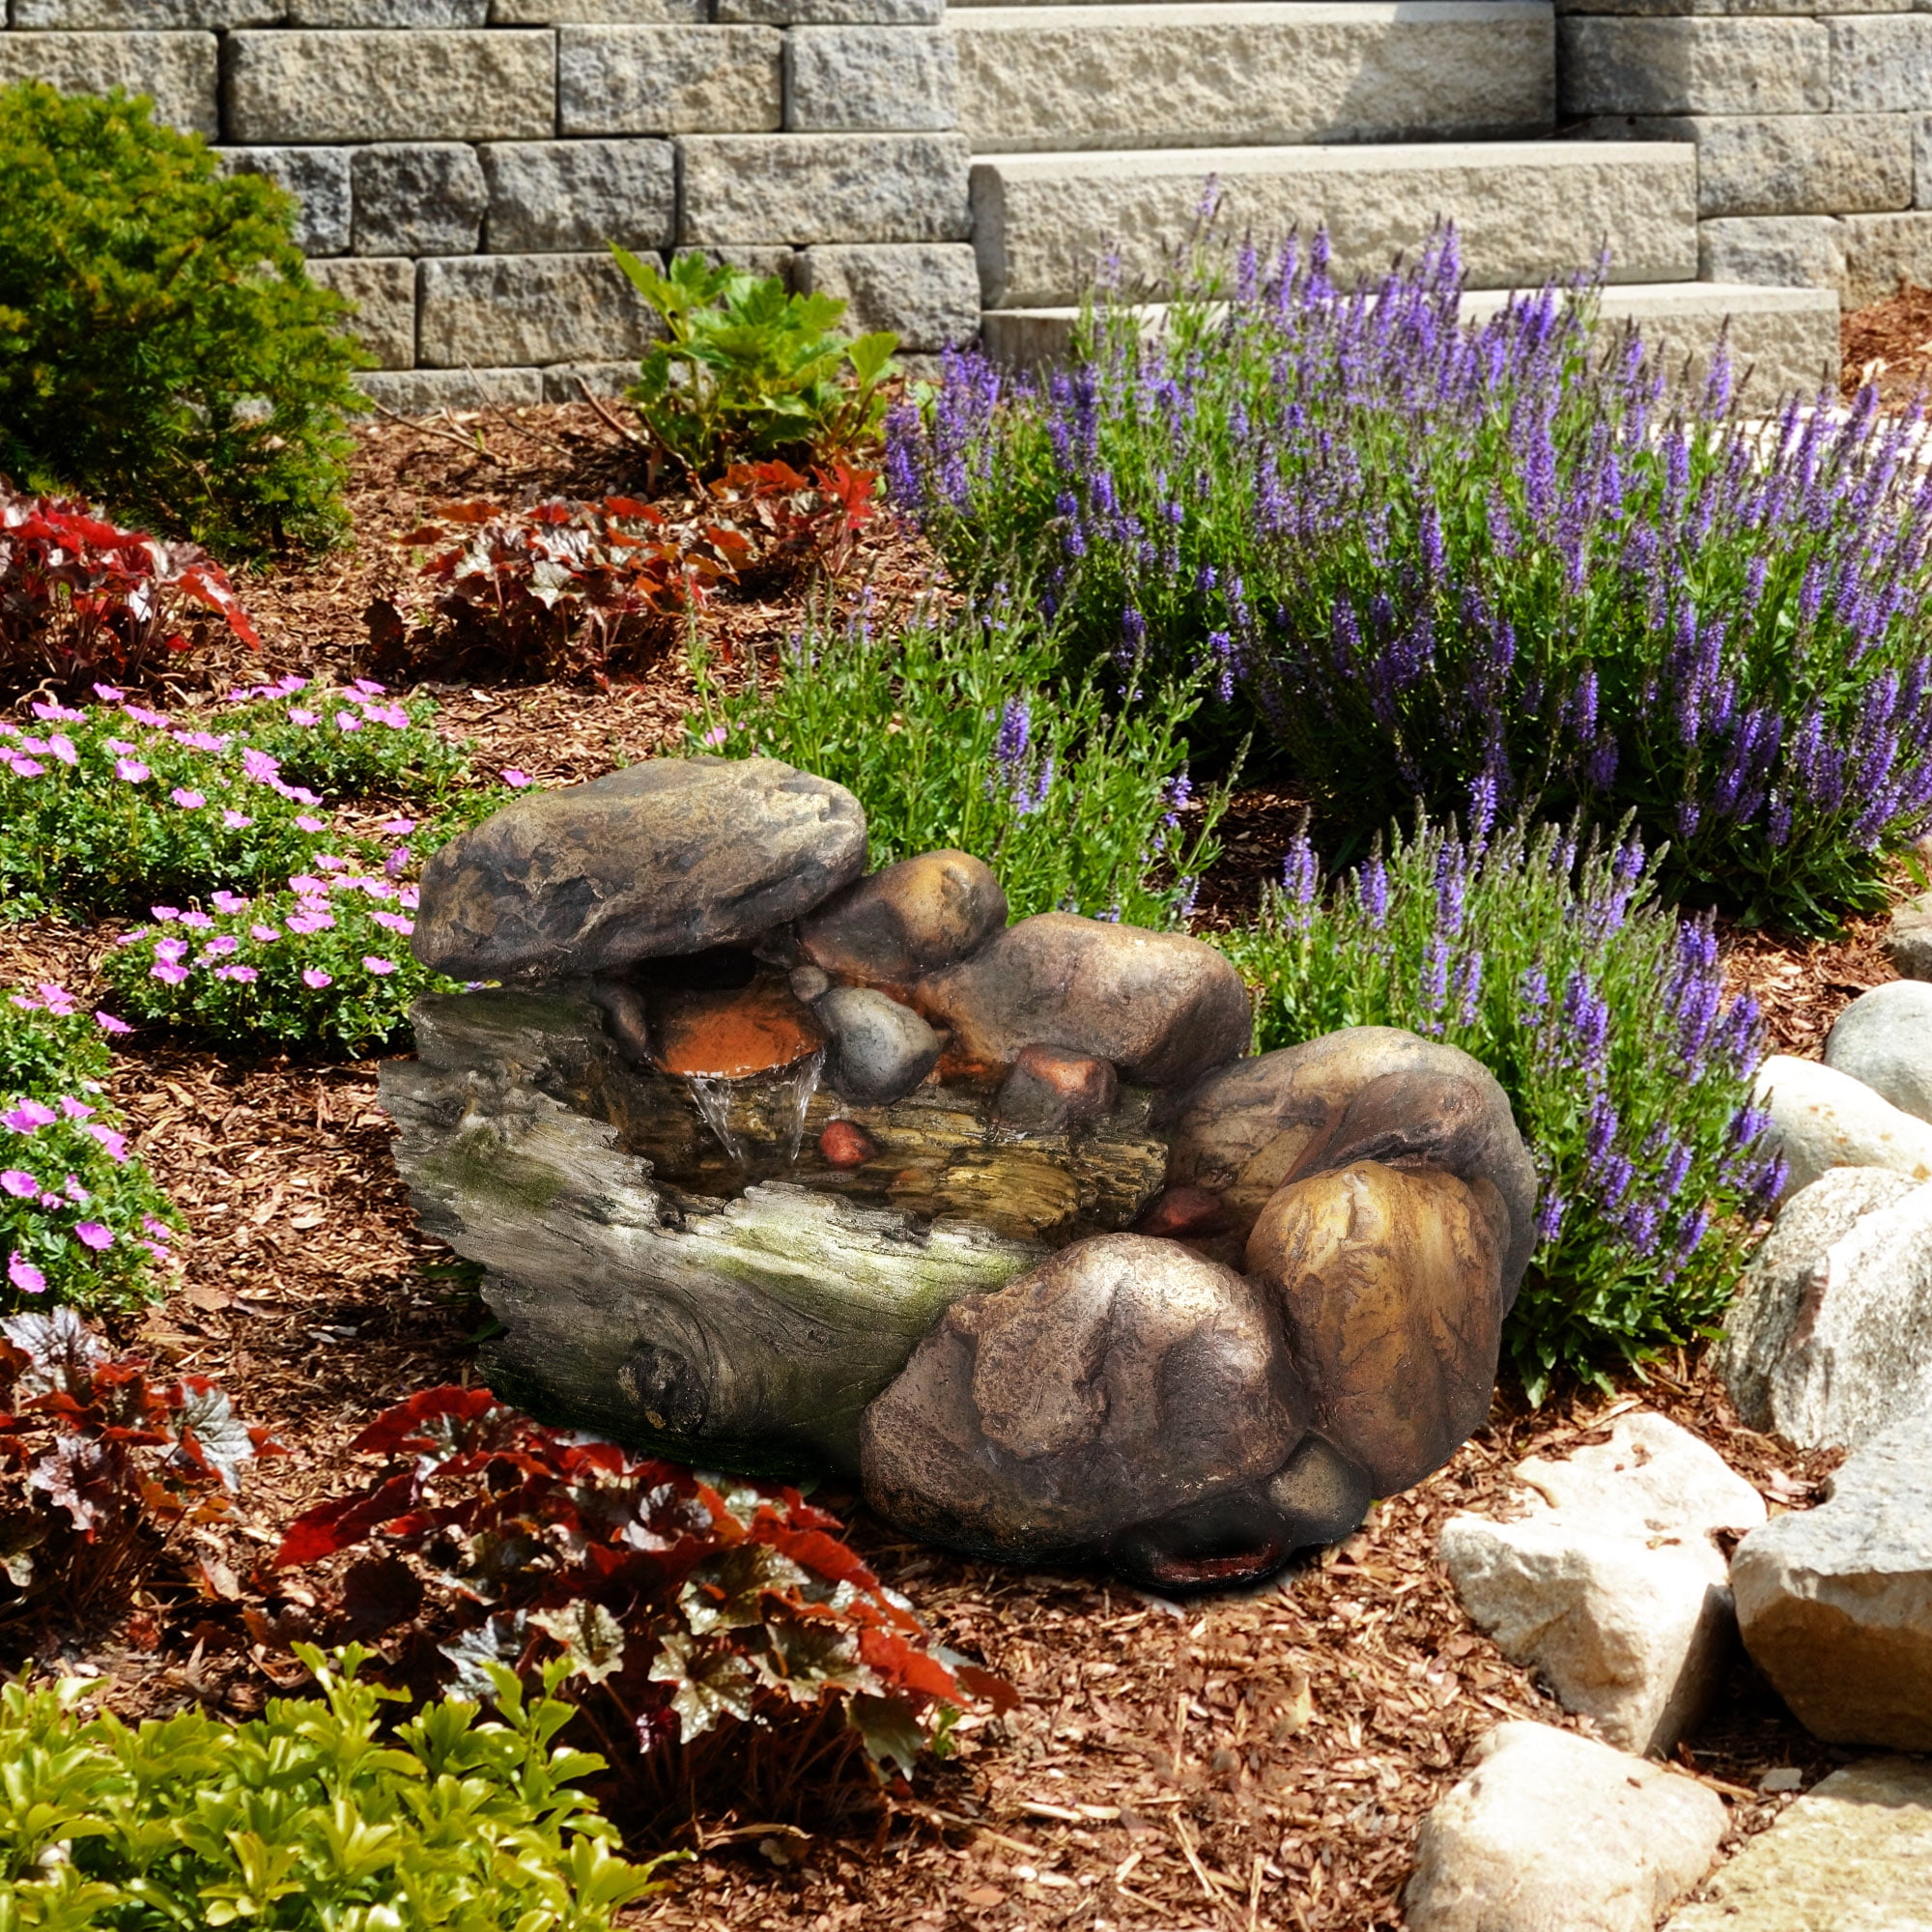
(161, 347)
(1605, 1021)
(953, 730)
(304, 1820)
(747, 369)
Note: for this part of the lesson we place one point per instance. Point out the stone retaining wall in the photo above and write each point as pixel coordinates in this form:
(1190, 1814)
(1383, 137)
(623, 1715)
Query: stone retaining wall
(461, 164)
(1812, 120)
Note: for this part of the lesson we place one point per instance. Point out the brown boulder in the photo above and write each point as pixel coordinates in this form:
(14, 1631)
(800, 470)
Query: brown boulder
(906, 919)
(1159, 1005)
(1050, 1089)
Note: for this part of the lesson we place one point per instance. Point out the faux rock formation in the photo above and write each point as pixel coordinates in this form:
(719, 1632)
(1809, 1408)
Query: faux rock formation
(1049, 1087)
(1822, 1119)
(1885, 1038)
(1908, 938)
(1553, 1833)
(880, 1049)
(1612, 1588)
(906, 921)
(1836, 1602)
(1830, 1339)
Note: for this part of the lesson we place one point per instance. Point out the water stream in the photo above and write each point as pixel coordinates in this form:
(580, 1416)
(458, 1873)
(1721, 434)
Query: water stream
(758, 1119)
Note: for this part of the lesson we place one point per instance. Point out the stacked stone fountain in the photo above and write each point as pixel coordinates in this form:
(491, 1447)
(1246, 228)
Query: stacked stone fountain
(774, 1166)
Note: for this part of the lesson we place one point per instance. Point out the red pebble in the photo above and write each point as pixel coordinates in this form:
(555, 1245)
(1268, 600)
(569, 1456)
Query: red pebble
(1181, 1211)
(846, 1145)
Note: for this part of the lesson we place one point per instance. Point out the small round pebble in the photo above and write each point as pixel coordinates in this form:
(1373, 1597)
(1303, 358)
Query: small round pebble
(845, 1143)
(808, 982)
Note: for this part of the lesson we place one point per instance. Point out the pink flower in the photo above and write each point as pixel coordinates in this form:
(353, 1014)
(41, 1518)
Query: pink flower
(378, 967)
(120, 747)
(75, 1110)
(716, 735)
(108, 693)
(315, 977)
(347, 720)
(19, 1184)
(397, 828)
(60, 1001)
(62, 747)
(408, 898)
(172, 951)
(228, 902)
(396, 921)
(306, 922)
(107, 1023)
(115, 1143)
(295, 794)
(397, 863)
(188, 800)
(257, 764)
(305, 823)
(130, 770)
(265, 933)
(515, 778)
(243, 974)
(169, 975)
(28, 1115)
(298, 716)
(220, 946)
(92, 1235)
(26, 1277)
(155, 720)
(236, 820)
(197, 920)
(329, 863)
(162, 915)
(392, 715)
(25, 768)
(201, 741)
(308, 884)
(369, 687)
(60, 713)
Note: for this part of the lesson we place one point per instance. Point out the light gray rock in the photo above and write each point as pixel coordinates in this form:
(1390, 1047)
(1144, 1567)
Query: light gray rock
(597, 12)
(672, 856)
(803, 188)
(1612, 1588)
(1780, 251)
(606, 379)
(575, 197)
(1836, 1602)
(1850, 1856)
(834, 13)
(388, 12)
(510, 309)
(1908, 939)
(879, 1050)
(1881, 63)
(1553, 1833)
(1882, 251)
(927, 293)
(149, 15)
(1823, 1119)
(417, 198)
(319, 180)
(1830, 1338)
(370, 84)
(384, 294)
(857, 79)
(1885, 1038)
(180, 70)
(1694, 67)
(422, 392)
(669, 80)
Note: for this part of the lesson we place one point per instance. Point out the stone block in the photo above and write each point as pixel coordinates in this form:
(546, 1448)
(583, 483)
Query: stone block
(763, 262)
(1882, 251)
(1921, 161)
(179, 70)
(1784, 163)
(1881, 63)
(859, 80)
(1733, 8)
(422, 392)
(596, 13)
(1790, 251)
(499, 310)
(149, 15)
(388, 12)
(834, 13)
(825, 187)
(319, 180)
(669, 80)
(605, 378)
(1693, 67)
(417, 198)
(927, 293)
(374, 84)
(384, 294)
(550, 198)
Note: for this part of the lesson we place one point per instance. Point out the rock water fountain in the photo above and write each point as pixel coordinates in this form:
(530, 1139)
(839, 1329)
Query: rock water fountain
(776, 1167)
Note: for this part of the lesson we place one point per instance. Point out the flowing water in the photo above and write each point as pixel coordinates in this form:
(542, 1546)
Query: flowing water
(758, 1119)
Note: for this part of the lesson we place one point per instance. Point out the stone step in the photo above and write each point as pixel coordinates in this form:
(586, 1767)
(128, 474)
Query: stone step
(1185, 73)
(1045, 226)
(1788, 338)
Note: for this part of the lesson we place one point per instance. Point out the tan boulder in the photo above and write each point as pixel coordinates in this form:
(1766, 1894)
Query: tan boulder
(906, 919)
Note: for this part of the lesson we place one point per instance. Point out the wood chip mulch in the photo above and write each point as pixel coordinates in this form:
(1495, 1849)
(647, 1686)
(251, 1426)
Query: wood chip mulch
(1889, 344)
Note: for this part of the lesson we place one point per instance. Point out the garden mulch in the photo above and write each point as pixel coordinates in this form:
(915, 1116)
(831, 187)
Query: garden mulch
(1245, 1761)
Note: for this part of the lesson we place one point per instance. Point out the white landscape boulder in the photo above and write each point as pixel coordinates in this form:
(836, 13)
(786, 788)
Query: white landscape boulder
(1553, 1833)
(1885, 1038)
(1830, 1339)
(1612, 1588)
(1822, 1119)
(1909, 938)
(1836, 1602)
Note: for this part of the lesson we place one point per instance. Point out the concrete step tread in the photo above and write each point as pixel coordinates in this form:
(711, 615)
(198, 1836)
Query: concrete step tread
(1342, 159)
(1096, 17)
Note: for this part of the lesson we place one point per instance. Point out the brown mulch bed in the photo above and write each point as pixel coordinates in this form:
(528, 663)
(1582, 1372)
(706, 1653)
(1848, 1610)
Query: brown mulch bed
(1245, 1761)
(1890, 344)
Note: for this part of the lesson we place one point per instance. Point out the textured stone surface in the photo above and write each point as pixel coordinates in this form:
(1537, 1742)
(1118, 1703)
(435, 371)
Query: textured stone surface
(1908, 939)
(907, 920)
(421, 392)
(1044, 224)
(1885, 1038)
(384, 294)
(1836, 1602)
(1553, 1833)
(419, 198)
(857, 78)
(1850, 1856)
(825, 187)
(1612, 1589)
(880, 1049)
(1696, 66)
(180, 70)
(1122, 1400)
(1824, 1118)
(834, 13)
(150, 16)
(372, 85)
(508, 309)
(668, 857)
(1052, 1090)
(319, 180)
(597, 12)
(1881, 63)
(927, 293)
(574, 196)
(388, 12)
(1159, 1005)
(561, 380)
(1784, 163)
(1830, 1339)
(1187, 74)
(669, 80)
(1882, 251)
(1363, 1094)
(1781, 250)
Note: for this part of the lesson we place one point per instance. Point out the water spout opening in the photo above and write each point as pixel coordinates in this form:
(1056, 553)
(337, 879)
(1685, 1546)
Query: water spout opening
(758, 1119)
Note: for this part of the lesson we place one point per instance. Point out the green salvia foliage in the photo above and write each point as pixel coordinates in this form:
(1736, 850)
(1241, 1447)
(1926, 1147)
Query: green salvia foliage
(749, 370)
(1596, 1011)
(954, 730)
(162, 350)
(306, 1819)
